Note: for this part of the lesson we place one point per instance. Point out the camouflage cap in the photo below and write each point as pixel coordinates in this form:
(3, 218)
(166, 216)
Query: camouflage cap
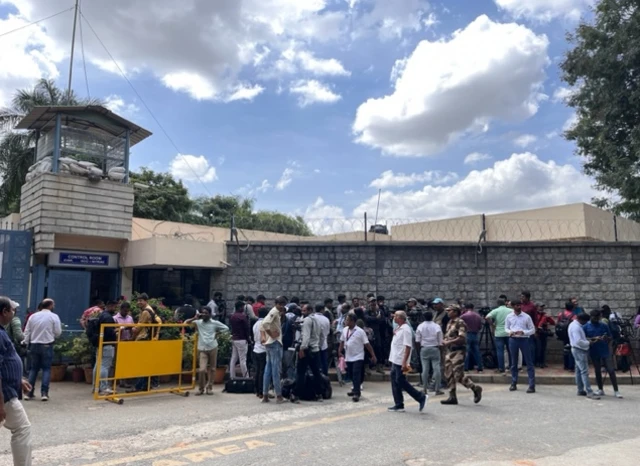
(454, 307)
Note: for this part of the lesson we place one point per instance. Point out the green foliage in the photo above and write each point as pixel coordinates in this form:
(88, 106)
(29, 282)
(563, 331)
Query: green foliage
(164, 199)
(17, 148)
(165, 313)
(604, 70)
(81, 351)
(187, 352)
(61, 348)
(224, 348)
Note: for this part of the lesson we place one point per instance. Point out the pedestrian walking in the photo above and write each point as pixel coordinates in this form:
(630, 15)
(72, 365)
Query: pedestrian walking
(455, 340)
(40, 334)
(429, 340)
(399, 357)
(12, 413)
(353, 342)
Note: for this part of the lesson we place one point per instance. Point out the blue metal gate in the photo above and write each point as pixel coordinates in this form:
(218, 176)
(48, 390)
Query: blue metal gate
(15, 260)
(70, 289)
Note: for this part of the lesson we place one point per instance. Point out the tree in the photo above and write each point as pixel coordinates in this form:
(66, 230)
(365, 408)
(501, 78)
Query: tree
(163, 199)
(218, 211)
(604, 70)
(17, 148)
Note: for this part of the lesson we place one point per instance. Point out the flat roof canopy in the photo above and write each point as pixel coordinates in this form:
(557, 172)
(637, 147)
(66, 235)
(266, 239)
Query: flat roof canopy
(92, 118)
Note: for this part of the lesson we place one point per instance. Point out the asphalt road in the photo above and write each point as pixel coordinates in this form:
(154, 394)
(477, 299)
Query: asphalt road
(551, 427)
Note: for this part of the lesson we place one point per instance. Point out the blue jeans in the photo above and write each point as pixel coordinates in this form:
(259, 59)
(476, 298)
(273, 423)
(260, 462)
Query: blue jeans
(521, 344)
(41, 360)
(288, 364)
(108, 353)
(501, 343)
(272, 370)
(473, 350)
(581, 358)
(399, 384)
(324, 361)
(430, 358)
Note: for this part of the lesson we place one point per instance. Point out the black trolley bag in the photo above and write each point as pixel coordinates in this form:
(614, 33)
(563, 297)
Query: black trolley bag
(241, 385)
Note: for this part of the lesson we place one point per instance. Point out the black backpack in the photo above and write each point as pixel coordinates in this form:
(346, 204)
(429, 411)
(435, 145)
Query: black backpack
(562, 326)
(92, 330)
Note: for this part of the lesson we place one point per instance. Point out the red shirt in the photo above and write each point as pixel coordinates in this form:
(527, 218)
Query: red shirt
(544, 321)
(256, 307)
(532, 311)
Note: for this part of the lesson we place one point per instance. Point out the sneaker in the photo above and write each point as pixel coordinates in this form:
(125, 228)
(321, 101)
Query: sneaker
(44, 398)
(27, 397)
(592, 396)
(265, 399)
(200, 393)
(439, 393)
(618, 395)
(280, 400)
(106, 392)
(295, 400)
(583, 393)
(599, 392)
(350, 393)
(531, 390)
(396, 409)
(210, 391)
(423, 402)
(513, 387)
(356, 399)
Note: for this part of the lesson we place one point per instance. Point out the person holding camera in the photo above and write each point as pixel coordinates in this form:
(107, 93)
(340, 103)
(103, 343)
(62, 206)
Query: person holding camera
(309, 353)
(599, 335)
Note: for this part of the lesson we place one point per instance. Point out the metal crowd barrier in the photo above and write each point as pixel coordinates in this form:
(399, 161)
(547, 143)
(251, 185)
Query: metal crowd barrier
(144, 359)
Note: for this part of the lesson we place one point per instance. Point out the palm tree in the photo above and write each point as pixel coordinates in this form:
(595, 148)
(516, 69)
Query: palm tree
(17, 147)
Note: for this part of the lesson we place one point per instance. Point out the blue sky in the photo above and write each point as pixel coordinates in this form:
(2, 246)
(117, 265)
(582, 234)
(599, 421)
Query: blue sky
(311, 106)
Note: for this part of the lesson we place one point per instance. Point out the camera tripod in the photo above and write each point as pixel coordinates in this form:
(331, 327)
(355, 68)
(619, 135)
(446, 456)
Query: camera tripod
(488, 347)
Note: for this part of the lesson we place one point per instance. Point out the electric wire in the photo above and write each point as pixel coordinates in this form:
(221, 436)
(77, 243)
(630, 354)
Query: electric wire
(84, 62)
(36, 22)
(164, 131)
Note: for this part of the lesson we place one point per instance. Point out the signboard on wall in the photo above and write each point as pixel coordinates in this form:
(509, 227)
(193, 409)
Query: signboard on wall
(84, 259)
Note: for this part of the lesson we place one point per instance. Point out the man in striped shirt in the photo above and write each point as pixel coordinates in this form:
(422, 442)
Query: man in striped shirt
(11, 411)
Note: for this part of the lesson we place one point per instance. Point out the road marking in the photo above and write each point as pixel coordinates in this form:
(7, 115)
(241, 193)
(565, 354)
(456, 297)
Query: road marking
(238, 438)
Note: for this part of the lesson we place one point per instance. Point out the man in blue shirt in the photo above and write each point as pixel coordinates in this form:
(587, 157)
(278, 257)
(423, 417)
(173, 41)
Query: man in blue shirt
(12, 384)
(599, 335)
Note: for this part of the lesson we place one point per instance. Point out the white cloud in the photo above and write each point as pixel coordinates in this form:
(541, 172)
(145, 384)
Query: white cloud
(390, 19)
(388, 179)
(476, 157)
(26, 55)
(544, 10)
(525, 140)
(571, 122)
(192, 168)
(264, 187)
(311, 92)
(561, 94)
(294, 60)
(286, 178)
(117, 105)
(245, 92)
(448, 87)
(349, 192)
(321, 67)
(326, 219)
(197, 86)
(520, 182)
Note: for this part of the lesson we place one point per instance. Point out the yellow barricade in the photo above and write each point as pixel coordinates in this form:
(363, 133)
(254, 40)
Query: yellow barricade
(144, 361)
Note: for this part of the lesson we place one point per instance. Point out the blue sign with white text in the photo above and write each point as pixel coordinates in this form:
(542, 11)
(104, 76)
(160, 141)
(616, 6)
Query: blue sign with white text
(84, 259)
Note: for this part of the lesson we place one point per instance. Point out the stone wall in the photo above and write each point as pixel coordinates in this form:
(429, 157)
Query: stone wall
(597, 273)
(56, 203)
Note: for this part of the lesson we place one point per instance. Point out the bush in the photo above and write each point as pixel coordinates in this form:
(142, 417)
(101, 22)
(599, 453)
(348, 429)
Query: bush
(81, 351)
(224, 348)
(61, 348)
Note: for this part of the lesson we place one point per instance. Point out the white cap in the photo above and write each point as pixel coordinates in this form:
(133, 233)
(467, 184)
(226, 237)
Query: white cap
(14, 305)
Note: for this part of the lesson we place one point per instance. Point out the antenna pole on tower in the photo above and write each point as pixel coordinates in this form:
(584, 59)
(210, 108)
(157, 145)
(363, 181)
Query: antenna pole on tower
(73, 46)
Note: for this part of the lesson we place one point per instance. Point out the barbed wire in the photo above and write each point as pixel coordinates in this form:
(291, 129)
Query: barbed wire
(468, 229)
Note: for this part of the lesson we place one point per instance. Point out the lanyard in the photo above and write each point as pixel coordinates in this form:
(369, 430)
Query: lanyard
(350, 335)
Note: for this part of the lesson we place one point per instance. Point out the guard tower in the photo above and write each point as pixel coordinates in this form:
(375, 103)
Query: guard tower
(79, 182)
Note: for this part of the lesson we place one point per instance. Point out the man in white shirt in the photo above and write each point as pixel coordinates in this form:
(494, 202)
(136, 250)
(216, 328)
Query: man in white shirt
(519, 327)
(429, 341)
(39, 335)
(259, 351)
(325, 325)
(580, 350)
(399, 358)
(353, 341)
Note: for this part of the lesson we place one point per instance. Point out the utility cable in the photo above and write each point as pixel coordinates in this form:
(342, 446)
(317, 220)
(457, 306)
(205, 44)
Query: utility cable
(146, 106)
(36, 22)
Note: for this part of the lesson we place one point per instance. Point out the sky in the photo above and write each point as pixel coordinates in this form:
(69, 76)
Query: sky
(313, 107)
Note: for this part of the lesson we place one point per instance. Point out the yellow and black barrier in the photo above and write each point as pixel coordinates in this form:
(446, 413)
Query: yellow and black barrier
(142, 360)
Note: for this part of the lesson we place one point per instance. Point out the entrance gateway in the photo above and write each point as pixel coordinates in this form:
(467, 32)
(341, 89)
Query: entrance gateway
(75, 279)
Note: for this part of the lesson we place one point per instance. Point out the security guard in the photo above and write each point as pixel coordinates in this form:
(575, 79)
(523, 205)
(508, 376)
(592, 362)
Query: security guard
(455, 342)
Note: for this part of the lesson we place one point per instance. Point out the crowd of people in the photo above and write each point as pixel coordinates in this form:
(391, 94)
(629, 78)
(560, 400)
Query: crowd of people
(294, 343)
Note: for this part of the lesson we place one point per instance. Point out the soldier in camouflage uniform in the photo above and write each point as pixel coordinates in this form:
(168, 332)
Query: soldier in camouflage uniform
(455, 342)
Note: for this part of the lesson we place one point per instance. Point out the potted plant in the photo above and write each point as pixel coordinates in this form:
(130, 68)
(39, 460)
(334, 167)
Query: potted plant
(224, 356)
(60, 349)
(81, 354)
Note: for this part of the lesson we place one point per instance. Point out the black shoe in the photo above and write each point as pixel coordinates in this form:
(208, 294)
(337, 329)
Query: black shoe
(294, 399)
(582, 393)
(350, 393)
(452, 400)
(513, 387)
(531, 390)
(356, 399)
(396, 409)
(477, 394)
